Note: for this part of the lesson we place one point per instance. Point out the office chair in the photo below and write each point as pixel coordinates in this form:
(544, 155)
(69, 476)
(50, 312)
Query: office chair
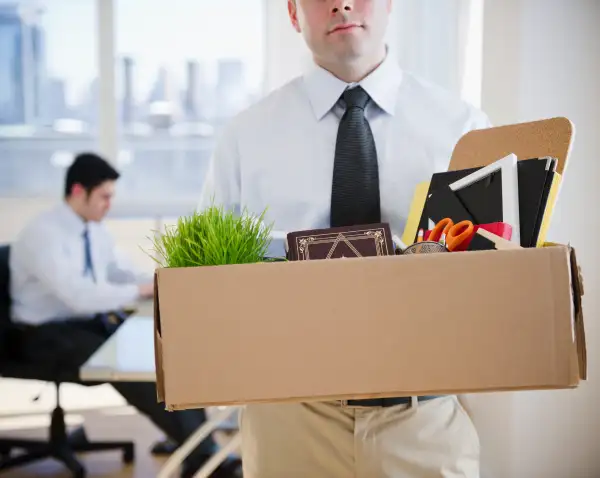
(60, 445)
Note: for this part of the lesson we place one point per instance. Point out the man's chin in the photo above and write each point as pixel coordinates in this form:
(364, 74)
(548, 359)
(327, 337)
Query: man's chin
(348, 54)
(349, 48)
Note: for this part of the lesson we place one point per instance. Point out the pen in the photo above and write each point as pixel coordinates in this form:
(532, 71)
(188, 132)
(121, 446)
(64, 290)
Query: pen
(420, 236)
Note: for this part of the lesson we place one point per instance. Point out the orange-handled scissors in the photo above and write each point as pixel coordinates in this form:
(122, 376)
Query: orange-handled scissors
(455, 234)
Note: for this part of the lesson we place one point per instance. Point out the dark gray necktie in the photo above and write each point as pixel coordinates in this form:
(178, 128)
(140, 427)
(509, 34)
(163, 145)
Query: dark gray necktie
(355, 189)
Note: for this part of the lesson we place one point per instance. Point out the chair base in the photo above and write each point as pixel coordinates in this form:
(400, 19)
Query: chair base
(61, 446)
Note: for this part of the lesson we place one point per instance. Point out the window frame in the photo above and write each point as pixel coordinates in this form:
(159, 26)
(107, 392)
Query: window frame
(107, 106)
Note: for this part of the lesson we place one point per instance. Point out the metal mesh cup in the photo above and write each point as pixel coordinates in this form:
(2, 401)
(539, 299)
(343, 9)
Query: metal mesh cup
(426, 247)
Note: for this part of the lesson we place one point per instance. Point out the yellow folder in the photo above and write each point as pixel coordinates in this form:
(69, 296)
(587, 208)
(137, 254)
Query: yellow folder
(550, 203)
(414, 215)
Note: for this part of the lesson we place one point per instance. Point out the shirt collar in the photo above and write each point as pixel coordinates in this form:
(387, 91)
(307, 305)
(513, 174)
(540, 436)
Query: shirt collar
(324, 89)
(71, 218)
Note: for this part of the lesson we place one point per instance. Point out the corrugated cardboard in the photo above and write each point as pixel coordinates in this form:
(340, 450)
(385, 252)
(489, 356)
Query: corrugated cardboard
(534, 139)
(370, 327)
(447, 323)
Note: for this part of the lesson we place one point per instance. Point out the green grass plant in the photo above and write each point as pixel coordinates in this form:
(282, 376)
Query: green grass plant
(213, 237)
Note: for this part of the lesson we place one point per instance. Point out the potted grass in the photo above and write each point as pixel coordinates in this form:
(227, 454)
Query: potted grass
(213, 237)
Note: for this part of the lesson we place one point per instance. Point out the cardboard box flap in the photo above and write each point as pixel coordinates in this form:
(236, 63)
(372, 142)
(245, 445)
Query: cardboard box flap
(160, 384)
(577, 283)
(536, 139)
(576, 279)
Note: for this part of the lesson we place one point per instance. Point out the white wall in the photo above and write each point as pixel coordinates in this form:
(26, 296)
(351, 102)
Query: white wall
(550, 66)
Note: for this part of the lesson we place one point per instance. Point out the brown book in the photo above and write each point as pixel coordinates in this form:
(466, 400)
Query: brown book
(339, 242)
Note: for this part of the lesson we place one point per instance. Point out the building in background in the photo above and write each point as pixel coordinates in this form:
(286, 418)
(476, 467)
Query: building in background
(22, 63)
(128, 101)
(191, 94)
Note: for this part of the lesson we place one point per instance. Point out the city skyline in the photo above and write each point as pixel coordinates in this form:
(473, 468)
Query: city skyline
(47, 75)
(206, 31)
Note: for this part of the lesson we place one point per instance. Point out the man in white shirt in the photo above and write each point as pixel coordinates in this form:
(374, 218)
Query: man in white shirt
(70, 287)
(345, 144)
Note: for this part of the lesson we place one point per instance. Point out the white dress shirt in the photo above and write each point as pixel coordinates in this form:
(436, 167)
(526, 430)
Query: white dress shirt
(279, 153)
(47, 264)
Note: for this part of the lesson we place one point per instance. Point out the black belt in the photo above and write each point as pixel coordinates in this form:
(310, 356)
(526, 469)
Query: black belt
(387, 402)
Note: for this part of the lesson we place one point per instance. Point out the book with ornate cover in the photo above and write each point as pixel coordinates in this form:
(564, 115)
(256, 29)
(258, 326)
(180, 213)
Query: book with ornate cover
(338, 242)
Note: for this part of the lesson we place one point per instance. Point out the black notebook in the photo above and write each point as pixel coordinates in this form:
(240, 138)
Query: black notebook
(535, 179)
(443, 203)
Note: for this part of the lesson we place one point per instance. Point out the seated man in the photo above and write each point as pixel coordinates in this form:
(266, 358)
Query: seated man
(69, 284)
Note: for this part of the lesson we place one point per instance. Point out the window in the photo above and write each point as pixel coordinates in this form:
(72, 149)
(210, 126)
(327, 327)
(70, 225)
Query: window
(48, 93)
(183, 69)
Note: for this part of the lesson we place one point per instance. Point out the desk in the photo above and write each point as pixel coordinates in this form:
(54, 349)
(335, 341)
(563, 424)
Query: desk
(128, 355)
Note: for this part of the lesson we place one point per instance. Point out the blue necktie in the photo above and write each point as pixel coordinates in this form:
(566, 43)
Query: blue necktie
(89, 265)
(110, 320)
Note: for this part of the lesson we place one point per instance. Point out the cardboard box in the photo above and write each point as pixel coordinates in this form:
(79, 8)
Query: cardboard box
(369, 327)
(447, 323)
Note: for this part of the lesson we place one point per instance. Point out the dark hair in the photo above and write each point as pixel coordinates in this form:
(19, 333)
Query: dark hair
(89, 170)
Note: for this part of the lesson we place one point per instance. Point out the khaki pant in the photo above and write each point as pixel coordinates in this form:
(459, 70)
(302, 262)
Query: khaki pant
(428, 439)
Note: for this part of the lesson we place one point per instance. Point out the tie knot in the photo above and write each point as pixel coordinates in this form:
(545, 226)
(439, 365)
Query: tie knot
(356, 96)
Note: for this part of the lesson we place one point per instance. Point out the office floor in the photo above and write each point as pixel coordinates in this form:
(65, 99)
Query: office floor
(105, 415)
(100, 425)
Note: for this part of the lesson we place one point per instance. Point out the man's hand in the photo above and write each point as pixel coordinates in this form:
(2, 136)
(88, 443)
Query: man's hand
(146, 290)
